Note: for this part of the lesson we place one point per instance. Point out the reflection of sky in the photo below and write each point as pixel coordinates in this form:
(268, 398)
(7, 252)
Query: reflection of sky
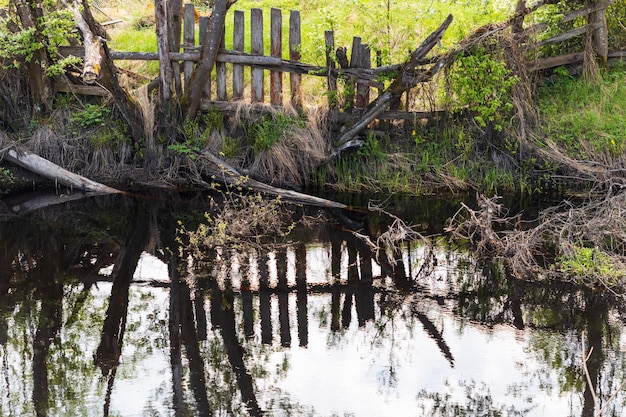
(365, 375)
(388, 367)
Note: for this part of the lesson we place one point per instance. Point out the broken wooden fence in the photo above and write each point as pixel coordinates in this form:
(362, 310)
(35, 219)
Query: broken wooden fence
(595, 28)
(361, 81)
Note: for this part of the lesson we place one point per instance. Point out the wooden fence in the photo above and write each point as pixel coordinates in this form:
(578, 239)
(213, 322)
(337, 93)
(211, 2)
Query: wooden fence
(595, 28)
(361, 80)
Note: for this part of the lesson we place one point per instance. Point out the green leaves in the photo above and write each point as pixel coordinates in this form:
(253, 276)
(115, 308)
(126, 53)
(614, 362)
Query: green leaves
(482, 84)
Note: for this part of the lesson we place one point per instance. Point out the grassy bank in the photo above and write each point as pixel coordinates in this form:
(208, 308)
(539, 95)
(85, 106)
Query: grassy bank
(478, 142)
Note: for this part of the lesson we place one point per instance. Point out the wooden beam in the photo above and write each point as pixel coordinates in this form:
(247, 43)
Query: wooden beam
(556, 61)
(276, 50)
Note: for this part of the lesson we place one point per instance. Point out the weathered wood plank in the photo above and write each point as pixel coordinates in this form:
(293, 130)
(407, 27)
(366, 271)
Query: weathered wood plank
(568, 17)
(189, 39)
(238, 45)
(174, 23)
(204, 30)
(276, 50)
(599, 34)
(256, 30)
(295, 46)
(355, 62)
(87, 90)
(220, 75)
(555, 61)
(165, 67)
(329, 39)
(363, 89)
(567, 35)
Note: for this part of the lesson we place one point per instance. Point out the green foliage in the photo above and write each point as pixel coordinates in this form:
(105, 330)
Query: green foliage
(591, 262)
(587, 119)
(272, 128)
(213, 119)
(22, 44)
(93, 115)
(616, 18)
(482, 84)
(7, 180)
(54, 28)
(231, 147)
(244, 220)
(371, 148)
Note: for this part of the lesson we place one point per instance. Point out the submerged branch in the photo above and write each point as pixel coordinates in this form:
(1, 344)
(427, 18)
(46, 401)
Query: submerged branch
(585, 244)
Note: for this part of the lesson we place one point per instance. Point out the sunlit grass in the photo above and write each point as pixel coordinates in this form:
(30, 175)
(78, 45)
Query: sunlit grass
(586, 117)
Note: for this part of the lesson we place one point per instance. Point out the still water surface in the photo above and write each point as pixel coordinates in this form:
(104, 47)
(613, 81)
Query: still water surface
(97, 317)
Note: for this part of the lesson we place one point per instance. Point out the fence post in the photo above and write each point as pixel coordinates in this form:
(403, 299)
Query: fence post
(174, 23)
(329, 38)
(355, 62)
(220, 75)
(599, 35)
(295, 46)
(189, 40)
(276, 50)
(256, 31)
(238, 45)
(204, 29)
(363, 90)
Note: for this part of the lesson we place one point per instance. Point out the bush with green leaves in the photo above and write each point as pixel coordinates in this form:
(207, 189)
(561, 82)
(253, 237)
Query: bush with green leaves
(7, 180)
(482, 83)
(92, 116)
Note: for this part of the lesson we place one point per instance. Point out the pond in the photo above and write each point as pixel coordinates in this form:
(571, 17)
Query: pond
(101, 313)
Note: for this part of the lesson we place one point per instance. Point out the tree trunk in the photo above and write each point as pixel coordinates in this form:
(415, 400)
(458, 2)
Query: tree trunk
(93, 55)
(38, 82)
(190, 102)
(130, 110)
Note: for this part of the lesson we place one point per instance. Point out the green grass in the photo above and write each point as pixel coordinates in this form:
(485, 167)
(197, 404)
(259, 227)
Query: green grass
(392, 27)
(587, 118)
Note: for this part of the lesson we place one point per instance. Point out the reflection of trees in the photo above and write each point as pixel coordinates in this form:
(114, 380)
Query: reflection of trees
(477, 401)
(490, 298)
(216, 367)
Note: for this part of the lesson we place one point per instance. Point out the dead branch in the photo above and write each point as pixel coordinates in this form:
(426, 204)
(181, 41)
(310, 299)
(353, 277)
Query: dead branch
(585, 244)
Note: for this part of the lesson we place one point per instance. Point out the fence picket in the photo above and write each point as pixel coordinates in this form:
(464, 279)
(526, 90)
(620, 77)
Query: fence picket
(295, 43)
(189, 40)
(276, 50)
(238, 45)
(256, 28)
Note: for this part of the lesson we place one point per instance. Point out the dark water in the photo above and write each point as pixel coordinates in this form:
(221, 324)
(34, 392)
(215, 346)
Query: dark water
(100, 314)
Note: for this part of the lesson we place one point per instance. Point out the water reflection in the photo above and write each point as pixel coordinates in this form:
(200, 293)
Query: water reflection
(319, 327)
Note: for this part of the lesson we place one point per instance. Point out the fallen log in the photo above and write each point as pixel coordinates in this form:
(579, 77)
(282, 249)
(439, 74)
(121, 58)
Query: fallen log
(230, 176)
(41, 166)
